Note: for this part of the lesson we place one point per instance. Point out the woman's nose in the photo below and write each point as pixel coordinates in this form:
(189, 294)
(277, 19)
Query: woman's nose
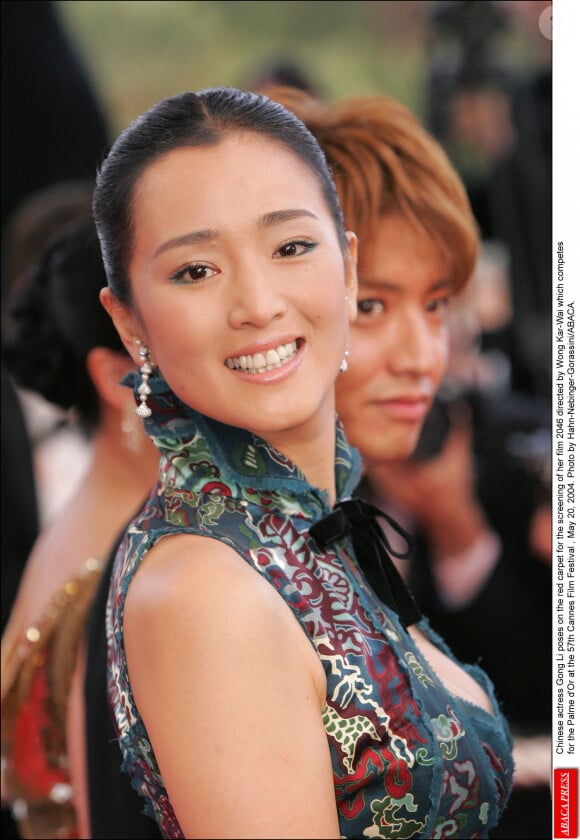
(255, 298)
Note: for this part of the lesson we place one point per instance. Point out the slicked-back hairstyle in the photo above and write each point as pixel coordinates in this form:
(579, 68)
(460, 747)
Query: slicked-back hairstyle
(186, 120)
(384, 161)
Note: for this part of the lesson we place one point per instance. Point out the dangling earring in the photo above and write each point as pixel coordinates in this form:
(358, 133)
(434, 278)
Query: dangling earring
(144, 390)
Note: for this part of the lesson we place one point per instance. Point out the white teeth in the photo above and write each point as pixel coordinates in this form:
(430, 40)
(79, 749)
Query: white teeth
(260, 362)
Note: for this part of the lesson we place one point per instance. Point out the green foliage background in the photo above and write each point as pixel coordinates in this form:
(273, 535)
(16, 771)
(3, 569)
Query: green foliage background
(142, 50)
(139, 51)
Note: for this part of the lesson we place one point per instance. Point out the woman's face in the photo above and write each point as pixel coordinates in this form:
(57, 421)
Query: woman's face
(242, 291)
(398, 343)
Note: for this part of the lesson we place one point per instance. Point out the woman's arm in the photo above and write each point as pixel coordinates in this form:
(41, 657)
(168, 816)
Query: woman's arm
(231, 692)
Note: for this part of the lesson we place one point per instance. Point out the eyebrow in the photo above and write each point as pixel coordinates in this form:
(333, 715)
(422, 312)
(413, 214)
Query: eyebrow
(210, 235)
(444, 283)
(278, 216)
(207, 235)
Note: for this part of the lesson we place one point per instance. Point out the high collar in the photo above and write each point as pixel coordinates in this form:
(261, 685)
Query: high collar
(199, 454)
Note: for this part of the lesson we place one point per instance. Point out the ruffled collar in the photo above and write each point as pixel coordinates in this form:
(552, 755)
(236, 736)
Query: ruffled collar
(202, 455)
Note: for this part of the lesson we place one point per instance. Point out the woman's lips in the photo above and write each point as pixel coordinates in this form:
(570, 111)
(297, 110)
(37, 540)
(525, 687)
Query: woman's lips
(274, 369)
(265, 359)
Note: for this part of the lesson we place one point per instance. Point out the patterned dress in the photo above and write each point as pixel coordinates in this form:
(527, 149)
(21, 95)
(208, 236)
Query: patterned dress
(410, 760)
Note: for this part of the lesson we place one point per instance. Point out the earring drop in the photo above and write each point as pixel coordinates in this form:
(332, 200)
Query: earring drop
(144, 390)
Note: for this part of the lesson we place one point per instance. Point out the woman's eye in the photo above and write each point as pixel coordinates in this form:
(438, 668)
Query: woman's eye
(295, 248)
(194, 273)
(370, 306)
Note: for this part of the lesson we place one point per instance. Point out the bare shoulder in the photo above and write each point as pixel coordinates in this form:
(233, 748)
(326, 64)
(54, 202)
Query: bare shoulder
(224, 677)
(201, 591)
(197, 579)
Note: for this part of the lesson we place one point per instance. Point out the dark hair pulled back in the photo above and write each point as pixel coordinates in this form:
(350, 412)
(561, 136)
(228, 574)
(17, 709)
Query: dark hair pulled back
(54, 318)
(189, 120)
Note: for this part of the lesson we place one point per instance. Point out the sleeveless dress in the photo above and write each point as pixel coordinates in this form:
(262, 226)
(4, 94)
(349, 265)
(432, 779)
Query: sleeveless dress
(409, 758)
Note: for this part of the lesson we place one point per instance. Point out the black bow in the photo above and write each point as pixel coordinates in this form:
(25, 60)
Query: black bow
(358, 519)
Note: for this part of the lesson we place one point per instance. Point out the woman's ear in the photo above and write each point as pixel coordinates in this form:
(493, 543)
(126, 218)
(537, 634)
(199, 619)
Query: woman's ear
(107, 368)
(124, 319)
(351, 275)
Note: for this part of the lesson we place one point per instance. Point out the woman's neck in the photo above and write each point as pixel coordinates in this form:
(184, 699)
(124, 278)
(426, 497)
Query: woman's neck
(312, 449)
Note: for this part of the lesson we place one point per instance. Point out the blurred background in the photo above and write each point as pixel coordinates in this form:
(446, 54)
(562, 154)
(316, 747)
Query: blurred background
(143, 50)
(477, 73)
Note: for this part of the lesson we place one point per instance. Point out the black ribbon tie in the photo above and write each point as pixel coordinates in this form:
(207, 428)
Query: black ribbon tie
(357, 519)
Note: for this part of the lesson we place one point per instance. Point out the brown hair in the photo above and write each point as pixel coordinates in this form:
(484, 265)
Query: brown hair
(383, 162)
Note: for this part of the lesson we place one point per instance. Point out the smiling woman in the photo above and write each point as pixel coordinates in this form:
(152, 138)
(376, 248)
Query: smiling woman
(241, 281)
(302, 699)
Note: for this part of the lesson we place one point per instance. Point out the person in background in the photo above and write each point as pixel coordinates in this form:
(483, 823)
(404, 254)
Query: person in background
(35, 222)
(53, 128)
(472, 487)
(46, 84)
(493, 115)
(282, 72)
(217, 214)
(58, 342)
(476, 495)
(59, 449)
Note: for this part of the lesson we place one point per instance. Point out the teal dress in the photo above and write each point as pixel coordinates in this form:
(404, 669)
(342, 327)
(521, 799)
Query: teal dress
(410, 759)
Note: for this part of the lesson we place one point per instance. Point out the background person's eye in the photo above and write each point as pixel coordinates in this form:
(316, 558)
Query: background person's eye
(438, 305)
(370, 306)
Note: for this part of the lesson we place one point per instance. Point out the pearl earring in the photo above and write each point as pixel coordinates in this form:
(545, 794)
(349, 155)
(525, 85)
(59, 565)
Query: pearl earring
(144, 390)
(344, 363)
